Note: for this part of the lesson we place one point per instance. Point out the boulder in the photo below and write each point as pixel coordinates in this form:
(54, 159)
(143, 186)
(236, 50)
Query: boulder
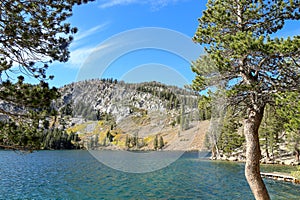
(232, 158)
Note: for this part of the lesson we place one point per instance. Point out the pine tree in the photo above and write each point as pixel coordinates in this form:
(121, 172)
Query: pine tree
(230, 139)
(249, 63)
(127, 141)
(155, 142)
(204, 106)
(272, 125)
(161, 142)
(289, 110)
(33, 34)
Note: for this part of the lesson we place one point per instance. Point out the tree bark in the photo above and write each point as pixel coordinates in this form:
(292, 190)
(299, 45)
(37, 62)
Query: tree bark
(297, 151)
(297, 156)
(267, 151)
(253, 153)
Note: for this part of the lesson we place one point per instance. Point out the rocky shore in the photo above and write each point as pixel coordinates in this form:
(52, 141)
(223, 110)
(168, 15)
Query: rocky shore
(240, 157)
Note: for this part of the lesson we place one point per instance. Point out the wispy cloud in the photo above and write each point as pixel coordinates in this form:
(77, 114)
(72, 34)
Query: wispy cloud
(91, 31)
(111, 3)
(155, 4)
(85, 34)
(79, 50)
(80, 55)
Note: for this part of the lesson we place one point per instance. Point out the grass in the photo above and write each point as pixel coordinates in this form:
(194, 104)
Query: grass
(77, 128)
(269, 168)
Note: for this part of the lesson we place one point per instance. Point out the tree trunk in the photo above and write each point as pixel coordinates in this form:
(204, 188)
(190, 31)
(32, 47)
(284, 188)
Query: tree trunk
(297, 151)
(267, 151)
(213, 153)
(253, 154)
(297, 156)
(272, 151)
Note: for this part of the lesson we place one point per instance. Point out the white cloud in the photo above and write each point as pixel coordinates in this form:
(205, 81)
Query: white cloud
(91, 31)
(78, 39)
(79, 51)
(111, 3)
(155, 4)
(79, 56)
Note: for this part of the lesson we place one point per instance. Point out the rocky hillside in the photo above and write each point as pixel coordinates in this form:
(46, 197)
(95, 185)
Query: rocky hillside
(110, 114)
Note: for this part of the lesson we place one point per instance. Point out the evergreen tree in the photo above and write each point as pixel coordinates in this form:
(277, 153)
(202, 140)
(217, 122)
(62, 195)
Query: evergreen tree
(161, 142)
(58, 139)
(182, 116)
(135, 141)
(96, 140)
(33, 34)
(67, 109)
(250, 64)
(288, 107)
(204, 106)
(272, 125)
(155, 142)
(230, 139)
(127, 141)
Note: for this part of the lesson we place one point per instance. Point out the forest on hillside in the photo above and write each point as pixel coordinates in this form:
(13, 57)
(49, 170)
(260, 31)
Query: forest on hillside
(279, 131)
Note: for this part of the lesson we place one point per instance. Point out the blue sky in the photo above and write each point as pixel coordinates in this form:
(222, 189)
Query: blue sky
(104, 46)
(101, 20)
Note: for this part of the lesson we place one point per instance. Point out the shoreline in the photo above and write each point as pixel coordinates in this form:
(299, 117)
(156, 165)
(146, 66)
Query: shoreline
(279, 176)
(284, 175)
(275, 175)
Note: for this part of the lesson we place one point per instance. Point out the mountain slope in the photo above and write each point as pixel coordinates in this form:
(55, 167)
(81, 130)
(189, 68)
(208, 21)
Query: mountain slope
(131, 116)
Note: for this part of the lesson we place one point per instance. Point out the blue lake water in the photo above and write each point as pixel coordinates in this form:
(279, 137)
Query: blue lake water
(78, 175)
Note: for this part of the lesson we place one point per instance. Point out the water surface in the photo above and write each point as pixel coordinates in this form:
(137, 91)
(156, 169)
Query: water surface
(77, 175)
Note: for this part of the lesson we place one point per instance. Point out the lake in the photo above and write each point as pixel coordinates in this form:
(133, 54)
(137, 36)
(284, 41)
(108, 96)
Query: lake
(78, 175)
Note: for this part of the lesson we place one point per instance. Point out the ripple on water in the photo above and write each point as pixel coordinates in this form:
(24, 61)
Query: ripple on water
(77, 175)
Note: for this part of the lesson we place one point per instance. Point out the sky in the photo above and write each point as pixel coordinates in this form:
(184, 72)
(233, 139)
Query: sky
(135, 41)
(135, 32)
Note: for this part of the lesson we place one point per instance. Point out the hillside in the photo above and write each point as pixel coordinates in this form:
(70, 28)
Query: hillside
(117, 115)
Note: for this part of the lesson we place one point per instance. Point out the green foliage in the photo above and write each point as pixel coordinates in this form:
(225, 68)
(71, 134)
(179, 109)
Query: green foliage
(245, 58)
(161, 143)
(67, 109)
(271, 127)
(35, 31)
(109, 136)
(155, 142)
(182, 117)
(58, 139)
(109, 80)
(85, 111)
(161, 91)
(242, 56)
(93, 142)
(24, 137)
(205, 107)
(24, 106)
(230, 139)
(26, 96)
(33, 34)
(134, 142)
(127, 141)
(288, 107)
(296, 174)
